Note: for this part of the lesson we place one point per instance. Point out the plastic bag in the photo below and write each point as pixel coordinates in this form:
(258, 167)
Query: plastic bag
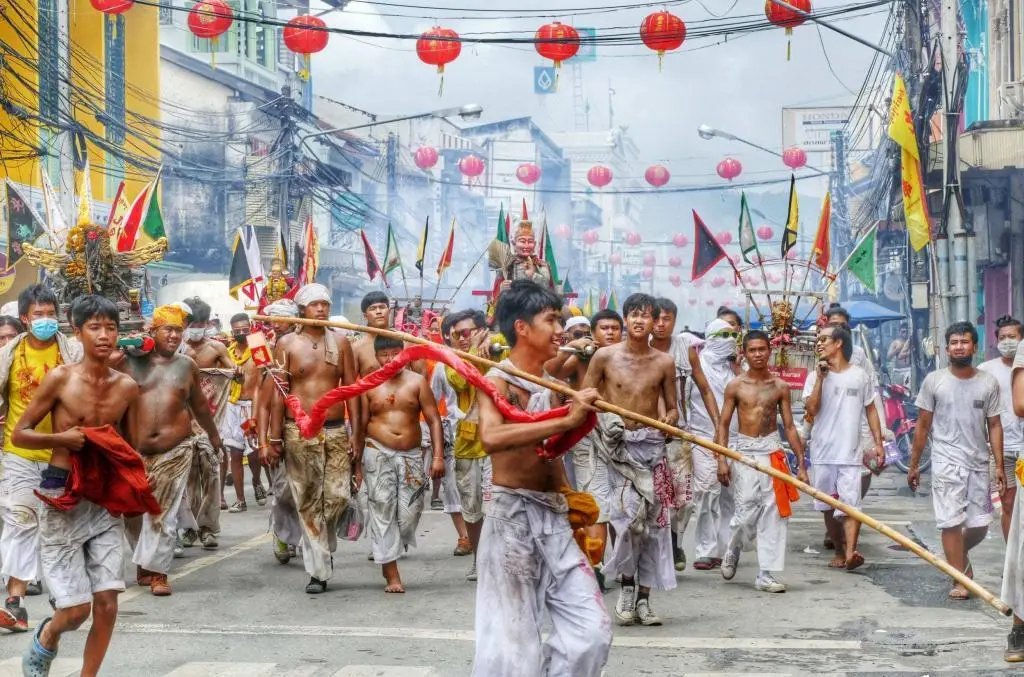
(353, 520)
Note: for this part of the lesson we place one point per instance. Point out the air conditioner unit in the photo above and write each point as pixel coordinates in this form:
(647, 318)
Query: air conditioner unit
(1011, 100)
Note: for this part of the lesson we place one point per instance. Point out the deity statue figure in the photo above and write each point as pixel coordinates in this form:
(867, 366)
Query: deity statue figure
(278, 282)
(526, 265)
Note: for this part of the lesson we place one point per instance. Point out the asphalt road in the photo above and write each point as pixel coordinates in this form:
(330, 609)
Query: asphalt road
(236, 612)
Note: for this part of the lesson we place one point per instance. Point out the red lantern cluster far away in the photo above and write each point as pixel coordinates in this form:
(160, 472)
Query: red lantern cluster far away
(209, 19)
(647, 273)
(438, 47)
(675, 261)
(725, 237)
(675, 280)
(591, 237)
(528, 173)
(305, 35)
(729, 168)
(692, 301)
(425, 157)
(680, 240)
(557, 41)
(657, 175)
(794, 157)
(599, 176)
(633, 238)
(765, 232)
(663, 32)
(471, 166)
(650, 259)
(112, 7)
(718, 281)
(615, 259)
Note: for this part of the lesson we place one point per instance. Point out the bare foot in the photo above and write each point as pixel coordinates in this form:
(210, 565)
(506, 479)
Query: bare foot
(855, 561)
(959, 592)
(838, 562)
(394, 587)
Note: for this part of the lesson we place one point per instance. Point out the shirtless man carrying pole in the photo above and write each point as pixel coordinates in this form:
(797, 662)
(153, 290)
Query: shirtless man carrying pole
(757, 396)
(393, 459)
(80, 549)
(633, 375)
(205, 484)
(377, 314)
(162, 433)
(529, 563)
(319, 470)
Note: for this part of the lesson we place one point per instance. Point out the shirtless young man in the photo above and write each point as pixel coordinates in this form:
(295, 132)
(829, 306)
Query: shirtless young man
(377, 314)
(756, 396)
(162, 433)
(393, 459)
(240, 415)
(528, 561)
(205, 482)
(633, 375)
(319, 470)
(81, 550)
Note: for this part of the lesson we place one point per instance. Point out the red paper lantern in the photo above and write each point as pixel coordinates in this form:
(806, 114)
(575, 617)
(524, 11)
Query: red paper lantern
(663, 32)
(657, 175)
(633, 238)
(729, 168)
(697, 284)
(471, 166)
(709, 302)
(615, 259)
(680, 240)
(209, 19)
(647, 273)
(765, 232)
(425, 157)
(112, 7)
(794, 157)
(675, 261)
(528, 173)
(692, 301)
(591, 237)
(599, 176)
(650, 259)
(438, 47)
(719, 281)
(675, 280)
(557, 41)
(563, 231)
(725, 237)
(783, 17)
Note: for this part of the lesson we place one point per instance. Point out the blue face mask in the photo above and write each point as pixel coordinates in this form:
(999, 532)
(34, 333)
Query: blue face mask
(44, 328)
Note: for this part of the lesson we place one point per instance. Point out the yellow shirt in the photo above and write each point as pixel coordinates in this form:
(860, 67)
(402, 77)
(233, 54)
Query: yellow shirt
(27, 372)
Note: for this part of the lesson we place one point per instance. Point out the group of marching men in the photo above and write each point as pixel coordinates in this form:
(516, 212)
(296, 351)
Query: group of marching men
(536, 523)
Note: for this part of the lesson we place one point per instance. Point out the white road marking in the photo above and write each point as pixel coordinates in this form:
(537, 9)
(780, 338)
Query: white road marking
(383, 671)
(737, 674)
(695, 643)
(61, 667)
(221, 669)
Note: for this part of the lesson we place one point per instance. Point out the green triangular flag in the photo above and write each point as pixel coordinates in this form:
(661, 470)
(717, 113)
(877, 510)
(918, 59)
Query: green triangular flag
(613, 303)
(153, 221)
(392, 257)
(548, 253)
(863, 263)
(502, 235)
(748, 242)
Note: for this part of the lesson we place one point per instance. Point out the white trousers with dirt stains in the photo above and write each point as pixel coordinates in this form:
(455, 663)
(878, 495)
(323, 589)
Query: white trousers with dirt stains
(713, 506)
(395, 492)
(529, 564)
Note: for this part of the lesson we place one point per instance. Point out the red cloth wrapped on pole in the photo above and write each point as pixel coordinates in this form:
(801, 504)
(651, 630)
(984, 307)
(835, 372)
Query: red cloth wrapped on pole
(108, 472)
(310, 424)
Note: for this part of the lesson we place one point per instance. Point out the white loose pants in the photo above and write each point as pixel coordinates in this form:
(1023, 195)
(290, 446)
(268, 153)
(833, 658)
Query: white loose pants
(713, 506)
(757, 514)
(19, 542)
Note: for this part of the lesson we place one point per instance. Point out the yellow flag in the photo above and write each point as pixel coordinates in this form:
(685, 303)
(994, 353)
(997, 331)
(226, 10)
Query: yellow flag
(85, 197)
(789, 235)
(901, 120)
(901, 130)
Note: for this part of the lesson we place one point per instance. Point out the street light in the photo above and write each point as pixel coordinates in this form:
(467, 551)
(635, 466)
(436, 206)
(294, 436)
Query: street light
(470, 111)
(708, 132)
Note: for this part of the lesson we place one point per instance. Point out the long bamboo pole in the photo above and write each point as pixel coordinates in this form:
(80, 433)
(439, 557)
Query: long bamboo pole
(856, 514)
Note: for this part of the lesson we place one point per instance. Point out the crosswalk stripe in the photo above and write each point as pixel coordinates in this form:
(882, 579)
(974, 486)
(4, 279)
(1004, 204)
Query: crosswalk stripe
(383, 671)
(61, 667)
(222, 669)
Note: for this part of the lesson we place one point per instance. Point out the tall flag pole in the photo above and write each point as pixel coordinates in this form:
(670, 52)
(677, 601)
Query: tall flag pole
(748, 243)
(789, 234)
(393, 259)
(862, 263)
(85, 196)
(446, 260)
(372, 264)
(56, 225)
(822, 250)
(421, 253)
(547, 251)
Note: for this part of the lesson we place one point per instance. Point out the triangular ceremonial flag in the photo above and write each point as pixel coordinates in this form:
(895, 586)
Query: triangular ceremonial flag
(588, 307)
(547, 252)
(309, 246)
(130, 231)
(152, 228)
(502, 234)
(566, 287)
(392, 257)
(119, 209)
(85, 196)
(862, 263)
(792, 219)
(707, 252)
(602, 303)
(246, 271)
(281, 253)
(748, 242)
(901, 130)
(56, 225)
(613, 303)
(446, 255)
(372, 265)
(421, 253)
(822, 252)
(23, 225)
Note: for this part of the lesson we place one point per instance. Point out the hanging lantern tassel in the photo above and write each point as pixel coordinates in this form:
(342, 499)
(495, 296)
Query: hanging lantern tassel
(440, 87)
(661, 58)
(789, 42)
(306, 67)
(214, 46)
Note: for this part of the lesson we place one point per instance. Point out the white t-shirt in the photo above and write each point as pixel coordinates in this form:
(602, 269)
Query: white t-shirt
(1013, 427)
(835, 437)
(961, 408)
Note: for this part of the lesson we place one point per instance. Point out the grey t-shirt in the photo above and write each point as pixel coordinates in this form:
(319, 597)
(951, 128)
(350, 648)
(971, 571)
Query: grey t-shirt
(961, 409)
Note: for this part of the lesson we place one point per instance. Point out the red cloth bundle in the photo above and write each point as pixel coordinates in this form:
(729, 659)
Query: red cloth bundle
(108, 472)
(310, 424)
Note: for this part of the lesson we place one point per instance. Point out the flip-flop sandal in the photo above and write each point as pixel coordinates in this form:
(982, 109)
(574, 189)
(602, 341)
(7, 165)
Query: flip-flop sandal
(315, 587)
(837, 563)
(36, 660)
(959, 596)
(854, 562)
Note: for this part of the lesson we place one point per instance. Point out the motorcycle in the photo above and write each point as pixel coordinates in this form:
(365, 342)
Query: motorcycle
(901, 418)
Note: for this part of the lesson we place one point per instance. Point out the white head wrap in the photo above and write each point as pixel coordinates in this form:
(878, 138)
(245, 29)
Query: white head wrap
(311, 293)
(576, 321)
(282, 308)
(10, 308)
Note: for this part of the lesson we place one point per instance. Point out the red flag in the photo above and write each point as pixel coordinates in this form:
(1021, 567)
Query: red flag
(310, 248)
(372, 265)
(822, 251)
(446, 255)
(130, 231)
(603, 301)
(707, 252)
(508, 227)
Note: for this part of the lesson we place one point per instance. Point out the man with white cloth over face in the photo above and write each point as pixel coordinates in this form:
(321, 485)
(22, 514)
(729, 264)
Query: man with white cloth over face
(762, 502)
(528, 561)
(1013, 567)
(713, 502)
(633, 375)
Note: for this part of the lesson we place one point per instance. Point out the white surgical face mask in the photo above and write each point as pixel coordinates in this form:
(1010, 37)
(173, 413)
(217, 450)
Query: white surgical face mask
(1008, 347)
(211, 332)
(194, 333)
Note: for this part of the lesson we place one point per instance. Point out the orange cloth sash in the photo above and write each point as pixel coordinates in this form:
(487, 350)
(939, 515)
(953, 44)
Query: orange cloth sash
(784, 493)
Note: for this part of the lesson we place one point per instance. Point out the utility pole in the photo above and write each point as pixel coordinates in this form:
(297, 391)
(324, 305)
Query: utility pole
(840, 210)
(287, 167)
(391, 159)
